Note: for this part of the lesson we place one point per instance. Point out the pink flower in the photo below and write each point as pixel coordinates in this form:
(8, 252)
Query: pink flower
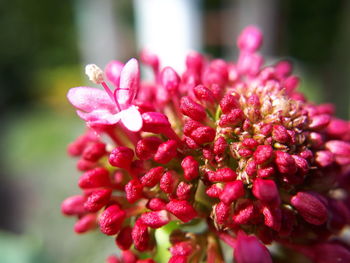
(98, 107)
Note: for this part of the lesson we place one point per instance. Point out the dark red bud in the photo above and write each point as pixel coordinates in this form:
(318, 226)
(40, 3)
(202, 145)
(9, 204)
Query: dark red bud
(250, 143)
(166, 151)
(266, 191)
(232, 118)
(155, 219)
(93, 152)
(84, 165)
(251, 168)
(232, 191)
(156, 204)
(182, 209)
(272, 217)
(124, 239)
(228, 103)
(280, 134)
(204, 94)
(319, 122)
(222, 175)
(121, 157)
(249, 249)
(73, 205)
(168, 182)
(266, 172)
(111, 220)
(155, 122)
(140, 236)
(190, 167)
(152, 177)
(285, 163)
(147, 147)
(310, 208)
(263, 154)
(97, 200)
(214, 191)
(190, 126)
(98, 177)
(85, 223)
(220, 145)
(133, 190)
(324, 158)
(222, 212)
(192, 109)
(203, 134)
(243, 212)
(183, 191)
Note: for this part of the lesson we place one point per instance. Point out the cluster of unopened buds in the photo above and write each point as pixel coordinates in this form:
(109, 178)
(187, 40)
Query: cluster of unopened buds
(230, 147)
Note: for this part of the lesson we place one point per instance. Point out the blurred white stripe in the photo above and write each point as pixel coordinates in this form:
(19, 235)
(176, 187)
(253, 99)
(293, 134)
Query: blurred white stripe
(169, 28)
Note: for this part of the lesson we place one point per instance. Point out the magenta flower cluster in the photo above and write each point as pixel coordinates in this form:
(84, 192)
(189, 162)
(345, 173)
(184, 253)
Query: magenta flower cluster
(230, 144)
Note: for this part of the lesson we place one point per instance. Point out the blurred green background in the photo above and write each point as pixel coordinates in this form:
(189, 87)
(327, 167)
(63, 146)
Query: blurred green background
(41, 58)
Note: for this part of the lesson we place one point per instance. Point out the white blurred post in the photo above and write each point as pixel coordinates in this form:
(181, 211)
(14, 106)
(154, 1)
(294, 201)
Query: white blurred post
(169, 28)
(97, 31)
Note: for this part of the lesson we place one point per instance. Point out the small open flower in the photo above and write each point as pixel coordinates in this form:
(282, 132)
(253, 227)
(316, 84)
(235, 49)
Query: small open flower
(98, 107)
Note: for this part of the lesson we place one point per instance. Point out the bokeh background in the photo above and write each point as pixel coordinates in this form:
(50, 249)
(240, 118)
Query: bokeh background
(44, 45)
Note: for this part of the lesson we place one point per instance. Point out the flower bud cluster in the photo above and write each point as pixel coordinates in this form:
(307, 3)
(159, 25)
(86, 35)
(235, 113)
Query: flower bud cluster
(230, 144)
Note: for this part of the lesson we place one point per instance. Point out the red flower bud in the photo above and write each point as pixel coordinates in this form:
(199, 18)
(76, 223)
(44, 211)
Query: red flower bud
(178, 259)
(124, 239)
(190, 126)
(182, 209)
(85, 223)
(232, 191)
(245, 153)
(319, 122)
(228, 103)
(204, 94)
(170, 80)
(98, 177)
(266, 172)
(147, 147)
(73, 205)
(128, 257)
(97, 200)
(273, 217)
(220, 145)
(285, 163)
(222, 175)
(133, 190)
(183, 191)
(152, 177)
(266, 191)
(301, 163)
(324, 158)
(213, 191)
(192, 109)
(111, 220)
(341, 150)
(140, 236)
(194, 61)
(243, 212)
(232, 118)
(156, 204)
(168, 182)
(250, 39)
(251, 168)
(310, 208)
(155, 219)
(155, 122)
(266, 129)
(84, 165)
(263, 154)
(93, 152)
(280, 134)
(222, 212)
(203, 134)
(250, 250)
(166, 151)
(183, 248)
(121, 157)
(250, 143)
(190, 167)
